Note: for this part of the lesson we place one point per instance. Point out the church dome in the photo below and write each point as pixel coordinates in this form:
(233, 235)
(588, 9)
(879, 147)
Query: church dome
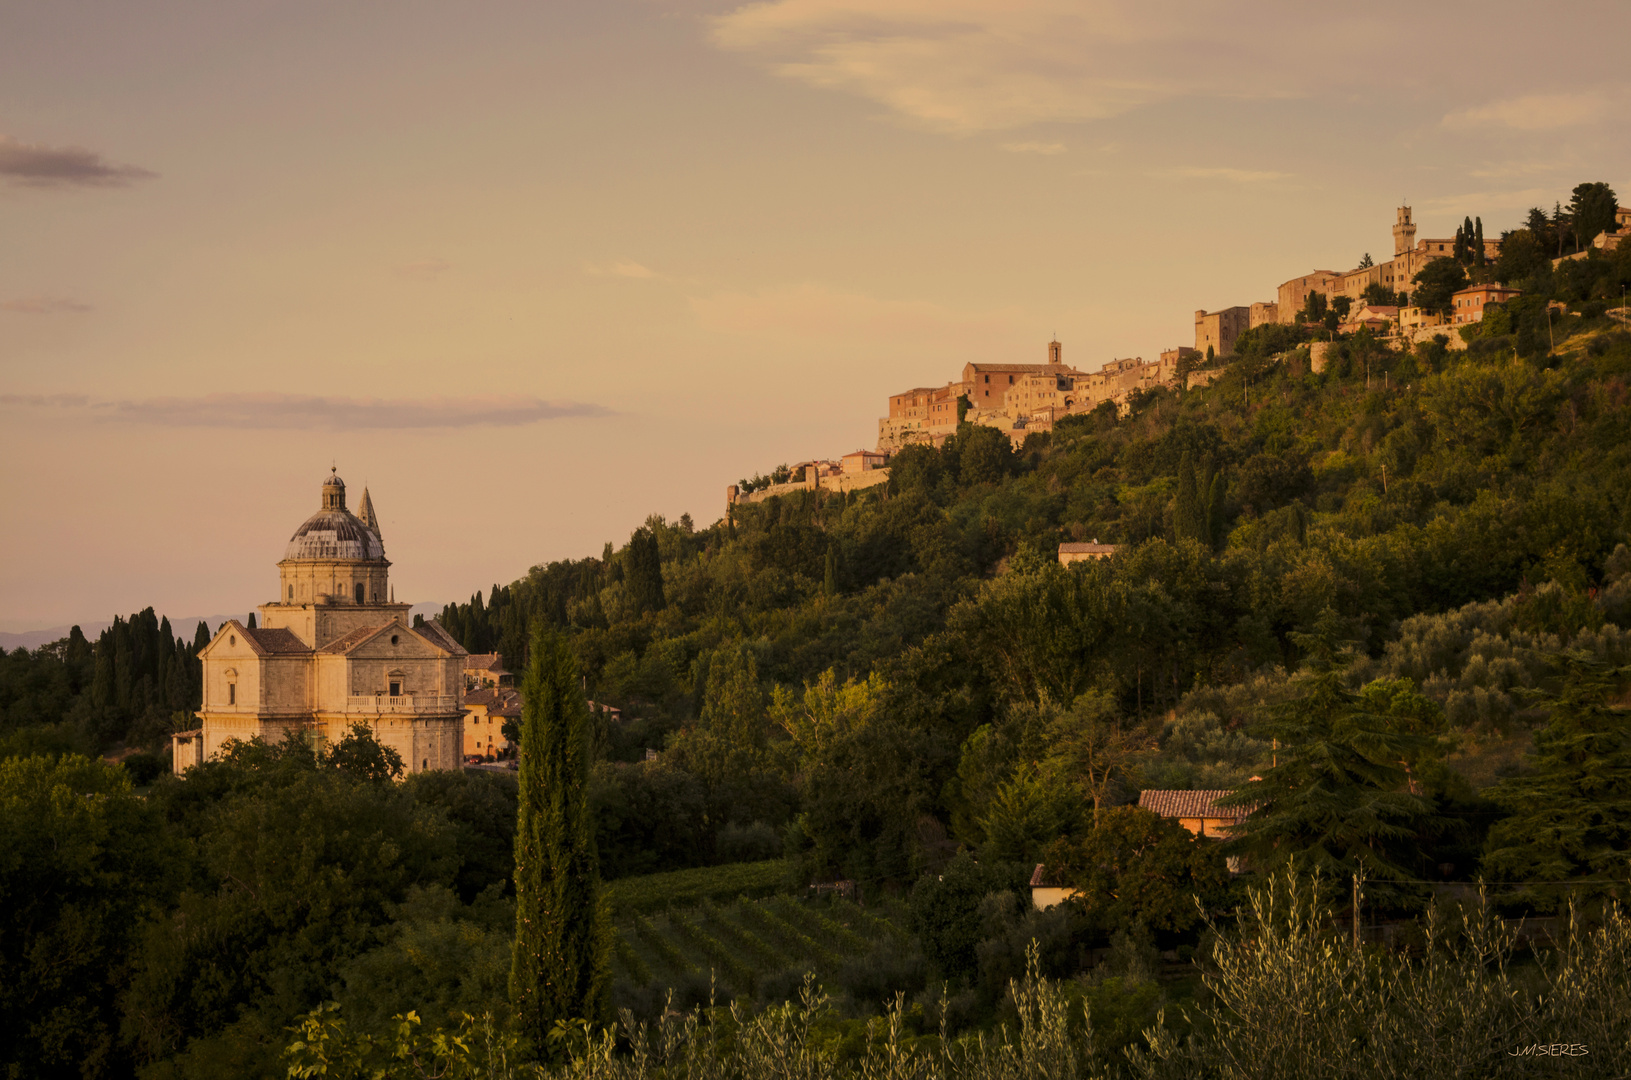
(334, 532)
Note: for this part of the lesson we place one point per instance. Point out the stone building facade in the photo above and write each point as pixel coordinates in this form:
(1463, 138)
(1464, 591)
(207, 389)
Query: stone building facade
(1217, 330)
(334, 649)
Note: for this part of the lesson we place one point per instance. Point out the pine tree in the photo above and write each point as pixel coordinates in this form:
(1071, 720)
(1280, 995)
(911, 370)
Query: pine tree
(560, 962)
(1571, 813)
(1335, 800)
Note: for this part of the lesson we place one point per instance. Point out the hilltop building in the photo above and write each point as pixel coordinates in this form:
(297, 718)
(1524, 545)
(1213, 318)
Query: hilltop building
(1396, 274)
(334, 649)
(1022, 399)
(1217, 330)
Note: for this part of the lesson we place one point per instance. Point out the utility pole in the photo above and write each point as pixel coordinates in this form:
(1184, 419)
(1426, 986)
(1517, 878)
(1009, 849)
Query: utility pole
(1358, 895)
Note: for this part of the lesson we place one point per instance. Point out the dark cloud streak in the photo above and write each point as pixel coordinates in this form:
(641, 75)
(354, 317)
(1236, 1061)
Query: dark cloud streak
(310, 412)
(37, 165)
(44, 305)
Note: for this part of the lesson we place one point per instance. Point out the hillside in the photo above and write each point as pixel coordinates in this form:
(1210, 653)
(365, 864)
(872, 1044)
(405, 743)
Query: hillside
(869, 674)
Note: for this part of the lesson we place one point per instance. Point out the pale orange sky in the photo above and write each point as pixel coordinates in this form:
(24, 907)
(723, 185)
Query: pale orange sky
(534, 271)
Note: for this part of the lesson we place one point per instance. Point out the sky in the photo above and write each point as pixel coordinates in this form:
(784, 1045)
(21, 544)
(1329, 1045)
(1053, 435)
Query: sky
(532, 272)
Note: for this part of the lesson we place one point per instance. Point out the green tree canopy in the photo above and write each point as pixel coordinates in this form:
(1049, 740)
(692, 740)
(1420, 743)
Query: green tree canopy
(1338, 798)
(1571, 810)
(1436, 283)
(561, 957)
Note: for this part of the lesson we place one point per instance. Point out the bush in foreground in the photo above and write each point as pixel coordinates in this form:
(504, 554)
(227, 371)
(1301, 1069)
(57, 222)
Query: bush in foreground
(1289, 997)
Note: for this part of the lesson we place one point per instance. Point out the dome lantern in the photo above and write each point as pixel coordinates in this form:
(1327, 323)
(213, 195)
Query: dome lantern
(334, 491)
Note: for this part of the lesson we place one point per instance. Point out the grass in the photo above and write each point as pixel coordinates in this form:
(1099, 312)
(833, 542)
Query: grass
(744, 941)
(650, 893)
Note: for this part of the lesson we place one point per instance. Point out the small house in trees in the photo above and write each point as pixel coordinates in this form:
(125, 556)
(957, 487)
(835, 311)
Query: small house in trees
(485, 713)
(1069, 553)
(1046, 891)
(1467, 306)
(486, 670)
(1196, 811)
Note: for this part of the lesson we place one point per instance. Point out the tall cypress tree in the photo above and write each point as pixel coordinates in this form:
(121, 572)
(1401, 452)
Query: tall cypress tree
(645, 571)
(560, 964)
(1186, 514)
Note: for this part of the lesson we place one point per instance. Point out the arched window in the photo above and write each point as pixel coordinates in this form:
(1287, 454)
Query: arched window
(291, 593)
(359, 592)
(232, 693)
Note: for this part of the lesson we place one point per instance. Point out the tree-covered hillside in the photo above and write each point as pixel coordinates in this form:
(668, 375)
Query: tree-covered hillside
(882, 676)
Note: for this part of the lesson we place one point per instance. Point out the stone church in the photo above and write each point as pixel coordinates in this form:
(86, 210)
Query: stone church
(334, 649)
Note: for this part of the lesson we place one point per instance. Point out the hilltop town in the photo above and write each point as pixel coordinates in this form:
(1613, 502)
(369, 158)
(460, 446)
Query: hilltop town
(1324, 305)
(1024, 399)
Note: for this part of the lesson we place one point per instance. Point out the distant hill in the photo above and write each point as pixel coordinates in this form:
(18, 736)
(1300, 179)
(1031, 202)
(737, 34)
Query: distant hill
(33, 639)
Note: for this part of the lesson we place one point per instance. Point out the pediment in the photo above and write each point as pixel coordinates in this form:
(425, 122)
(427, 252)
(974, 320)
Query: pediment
(391, 641)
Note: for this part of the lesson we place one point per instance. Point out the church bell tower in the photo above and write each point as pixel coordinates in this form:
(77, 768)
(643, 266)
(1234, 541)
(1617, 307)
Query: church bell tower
(1404, 232)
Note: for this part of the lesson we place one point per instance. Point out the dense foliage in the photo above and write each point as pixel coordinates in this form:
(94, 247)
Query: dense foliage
(134, 685)
(1287, 999)
(878, 678)
(1396, 592)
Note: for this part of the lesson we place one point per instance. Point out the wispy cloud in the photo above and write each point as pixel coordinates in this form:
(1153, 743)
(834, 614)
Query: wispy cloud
(962, 66)
(1235, 176)
(424, 269)
(37, 165)
(1535, 112)
(44, 305)
(1480, 202)
(306, 412)
(812, 312)
(622, 268)
(1046, 148)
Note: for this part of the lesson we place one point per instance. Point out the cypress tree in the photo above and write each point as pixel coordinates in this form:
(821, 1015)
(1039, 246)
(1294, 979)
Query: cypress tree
(1186, 515)
(645, 571)
(559, 967)
(829, 580)
(251, 623)
(1218, 489)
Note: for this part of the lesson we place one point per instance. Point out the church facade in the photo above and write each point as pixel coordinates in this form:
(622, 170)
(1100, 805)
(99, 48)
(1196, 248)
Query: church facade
(333, 650)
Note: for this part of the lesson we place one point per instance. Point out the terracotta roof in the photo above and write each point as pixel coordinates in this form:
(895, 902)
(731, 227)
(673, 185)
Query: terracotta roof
(1191, 804)
(484, 661)
(480, 697)
(434, 632)
(1088, 549)
(277, 641)
(352, 640)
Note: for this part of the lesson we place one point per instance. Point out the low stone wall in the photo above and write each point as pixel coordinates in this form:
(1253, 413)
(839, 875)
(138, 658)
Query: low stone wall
(839, 483)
